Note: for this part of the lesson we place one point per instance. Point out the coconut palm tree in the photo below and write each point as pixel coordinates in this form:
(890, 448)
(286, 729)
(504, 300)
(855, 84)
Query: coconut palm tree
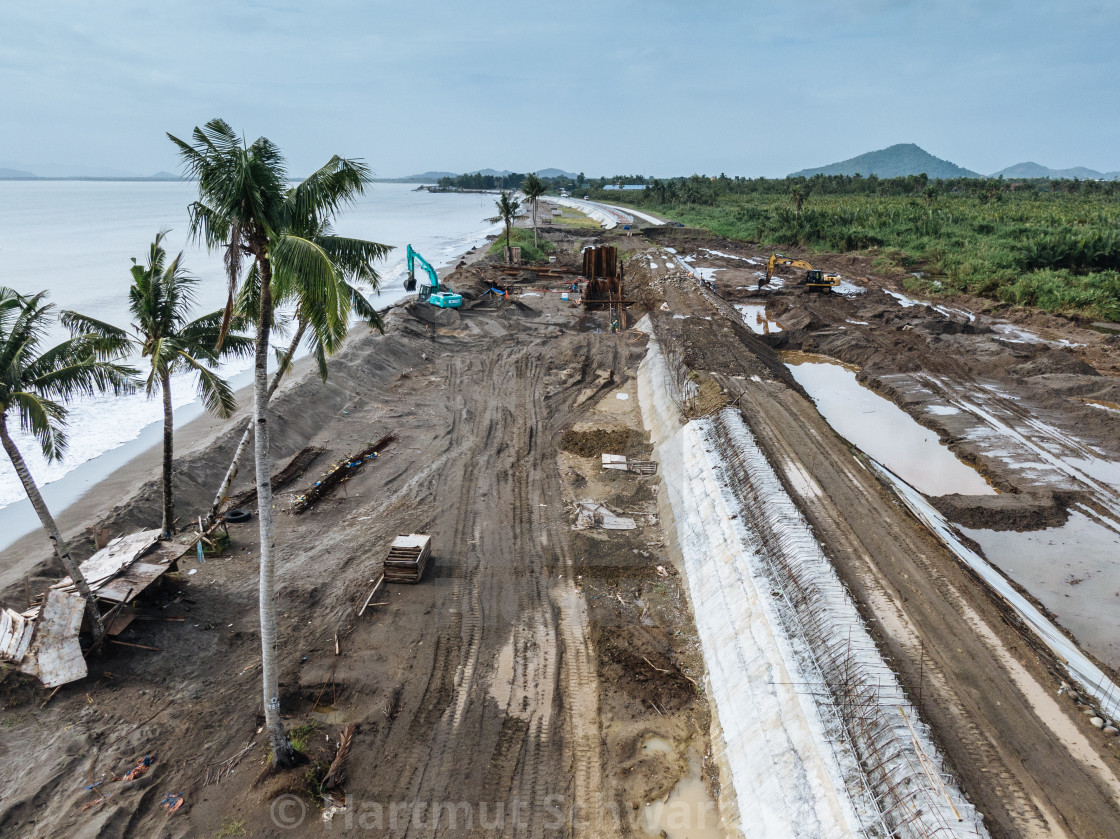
(508, 208)
(246, 209)
(533, 188)
(35, 384)
(160, 299)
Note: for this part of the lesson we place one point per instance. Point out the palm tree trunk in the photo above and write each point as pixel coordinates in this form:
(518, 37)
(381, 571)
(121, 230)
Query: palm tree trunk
(509, 251)
(168, 455)
(534, 222)
(61, 550)
(243, 444)
(283, 755)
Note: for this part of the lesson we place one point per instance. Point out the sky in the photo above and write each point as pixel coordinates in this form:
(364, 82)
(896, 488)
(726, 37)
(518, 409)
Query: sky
(610, 87)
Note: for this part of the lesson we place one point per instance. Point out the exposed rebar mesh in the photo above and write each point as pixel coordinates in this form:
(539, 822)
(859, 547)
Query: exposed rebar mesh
(896, 778)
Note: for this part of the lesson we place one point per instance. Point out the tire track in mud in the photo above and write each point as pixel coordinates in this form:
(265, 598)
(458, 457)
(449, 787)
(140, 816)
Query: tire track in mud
(505, 597)
(578, 665)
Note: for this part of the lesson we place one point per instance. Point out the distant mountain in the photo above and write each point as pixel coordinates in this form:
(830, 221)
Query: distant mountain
(422, 178)
(555, 173)
(893, 162)
(65, 173)
(1036, 170)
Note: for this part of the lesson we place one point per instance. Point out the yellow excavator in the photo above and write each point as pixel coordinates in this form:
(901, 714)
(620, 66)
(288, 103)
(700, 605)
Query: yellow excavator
(815, 278)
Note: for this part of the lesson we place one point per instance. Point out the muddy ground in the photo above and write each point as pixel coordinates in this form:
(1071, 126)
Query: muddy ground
(527, 685)
(520, 680)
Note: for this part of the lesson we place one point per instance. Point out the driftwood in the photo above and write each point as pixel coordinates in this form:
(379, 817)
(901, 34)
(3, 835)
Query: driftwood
(337, 474)
(296, 467)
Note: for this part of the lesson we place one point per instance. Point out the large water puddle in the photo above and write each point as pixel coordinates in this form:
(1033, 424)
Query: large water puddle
(688, 812)
(882, 429)
(756, 319)
(1071, 570)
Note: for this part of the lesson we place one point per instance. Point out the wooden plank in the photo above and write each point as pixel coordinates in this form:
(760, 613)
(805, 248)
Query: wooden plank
(372, 592)
(108, 562)
(55, 656)
(15, 636)
(127, 585)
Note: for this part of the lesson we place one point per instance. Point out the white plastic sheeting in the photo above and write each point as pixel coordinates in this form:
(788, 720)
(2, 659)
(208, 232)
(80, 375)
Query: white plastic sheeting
(775, 622)
(1090, 678)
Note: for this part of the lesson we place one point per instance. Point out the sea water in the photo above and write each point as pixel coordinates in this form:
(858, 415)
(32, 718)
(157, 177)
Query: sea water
(76, 239)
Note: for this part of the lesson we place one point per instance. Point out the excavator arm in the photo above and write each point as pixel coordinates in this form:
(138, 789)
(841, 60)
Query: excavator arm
(777, 259)
(433, 278)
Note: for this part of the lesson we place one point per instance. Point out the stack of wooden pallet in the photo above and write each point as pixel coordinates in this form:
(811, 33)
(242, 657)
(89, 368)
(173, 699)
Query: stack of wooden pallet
(408, 558)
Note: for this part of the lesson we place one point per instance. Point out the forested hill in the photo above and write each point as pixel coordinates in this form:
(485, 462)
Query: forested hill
(894, 162)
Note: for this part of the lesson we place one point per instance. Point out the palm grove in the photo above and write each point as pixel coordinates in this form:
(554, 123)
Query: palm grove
(286, 268)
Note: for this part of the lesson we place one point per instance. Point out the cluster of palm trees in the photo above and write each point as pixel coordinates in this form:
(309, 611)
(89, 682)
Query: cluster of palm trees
(281, 256)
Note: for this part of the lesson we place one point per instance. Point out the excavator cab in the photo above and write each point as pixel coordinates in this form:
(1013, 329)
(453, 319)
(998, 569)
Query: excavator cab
(818, 280)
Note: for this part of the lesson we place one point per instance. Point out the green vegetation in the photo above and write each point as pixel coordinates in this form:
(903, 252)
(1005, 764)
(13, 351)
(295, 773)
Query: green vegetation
(1054, 245)
(230, 828)
(300, 736)
(37, 384)
(247, 210)
(523, 238)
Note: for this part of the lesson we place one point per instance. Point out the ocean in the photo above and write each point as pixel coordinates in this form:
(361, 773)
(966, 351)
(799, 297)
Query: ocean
(75, 239)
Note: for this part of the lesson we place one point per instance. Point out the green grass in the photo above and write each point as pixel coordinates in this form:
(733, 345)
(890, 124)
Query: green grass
(1040, 246)
(230, 828)
(523, 237)
(300, 736)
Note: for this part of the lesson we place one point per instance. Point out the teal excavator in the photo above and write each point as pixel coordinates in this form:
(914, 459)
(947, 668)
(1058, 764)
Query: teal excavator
(431, 291)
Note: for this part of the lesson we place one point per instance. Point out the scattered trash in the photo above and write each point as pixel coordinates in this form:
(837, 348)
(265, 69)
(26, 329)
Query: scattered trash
(622, 396)
(141, 767)
(337, 474)
(661, 572)
(192, 571)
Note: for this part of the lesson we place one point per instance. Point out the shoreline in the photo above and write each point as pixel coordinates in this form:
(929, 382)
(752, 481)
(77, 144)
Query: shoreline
(21, 554)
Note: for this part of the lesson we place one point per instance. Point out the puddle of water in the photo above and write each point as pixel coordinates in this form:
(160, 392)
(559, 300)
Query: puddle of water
(1071, 570)
(688, 812)
(882, 429)
(329, 714)
(755, 317)
(657, 745)
(1104, 406)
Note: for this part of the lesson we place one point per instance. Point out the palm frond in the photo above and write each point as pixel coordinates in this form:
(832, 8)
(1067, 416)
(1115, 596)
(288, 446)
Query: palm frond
(215, 392)
(45, 419)
(354, 258)
(111, 341)
(328, 190)
(303, 270)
